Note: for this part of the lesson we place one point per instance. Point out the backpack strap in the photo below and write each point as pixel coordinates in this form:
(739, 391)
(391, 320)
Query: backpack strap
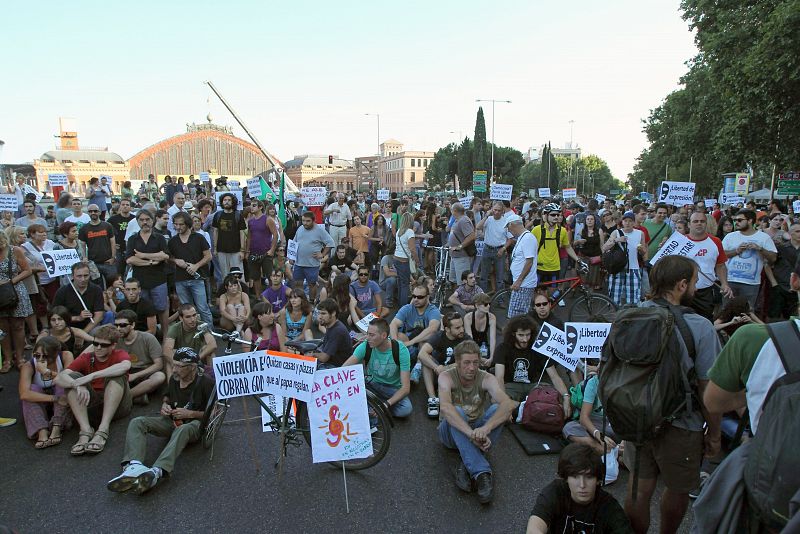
(543, 237)
(680, 322)
(786, 338)
(396, 353)
(367, 353)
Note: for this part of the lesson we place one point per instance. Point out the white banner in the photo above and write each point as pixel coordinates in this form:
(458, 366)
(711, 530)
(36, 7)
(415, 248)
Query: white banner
(338, 417)
(585, 340)
(30, 190)
(205, 177)
(710, 202)
(9, 202)
(254, 187)
(262, 372)
(501, 191)
(570, 192)
(276, 403)
(676, 245)
(731, 199)
(363, 324)
(600, 198)
(314, 196)
(59, 262)
(382, 194)
(237, 194)
(479, 248)
(544, 192)
(677, 193)
(57, 180)
(796, 207)
(291, 250)
(234, 185)
(552, 342)
(465, 201)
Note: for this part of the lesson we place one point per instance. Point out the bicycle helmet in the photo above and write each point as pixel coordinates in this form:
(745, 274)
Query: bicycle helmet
(186, 355)
(551, 207)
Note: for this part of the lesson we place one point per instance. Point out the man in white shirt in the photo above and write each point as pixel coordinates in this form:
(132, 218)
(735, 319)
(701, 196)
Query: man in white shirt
(747, 250)
(339, 215)
(78, 217)
(710, 257)
(494, 246)
(180, 201)
(523, 271)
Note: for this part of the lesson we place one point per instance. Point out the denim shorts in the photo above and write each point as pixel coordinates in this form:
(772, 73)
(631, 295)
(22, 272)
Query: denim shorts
(158, 296)
(309, 274)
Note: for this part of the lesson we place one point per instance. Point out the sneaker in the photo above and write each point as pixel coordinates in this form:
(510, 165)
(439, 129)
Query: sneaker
(416, 373)
(485, 488)
(433, 406)
(128, 479)
(695, 493)
(148, 480)
(463, 480)
(7, 421)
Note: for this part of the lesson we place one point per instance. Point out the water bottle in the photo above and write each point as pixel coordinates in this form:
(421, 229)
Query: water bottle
(484, 350)
(556, 294)
(196, 275)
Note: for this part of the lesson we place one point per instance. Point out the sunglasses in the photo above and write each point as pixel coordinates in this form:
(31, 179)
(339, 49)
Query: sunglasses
(363, 274)
(541, 304)
(419, 296)
(122, 325)
(103, 344)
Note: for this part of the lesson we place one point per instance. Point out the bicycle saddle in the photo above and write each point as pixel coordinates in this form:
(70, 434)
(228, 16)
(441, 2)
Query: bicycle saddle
(303, 346)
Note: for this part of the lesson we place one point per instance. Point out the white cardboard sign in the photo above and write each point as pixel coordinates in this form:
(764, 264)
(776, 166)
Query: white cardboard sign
(234, 185)
(600, 198)
(276, 403)
(710, 202)
(585, 340)
(732, 199)
(263, 372)
(254, 187)
(314, 196)
(205, 177)
(552, 342)
(676, 245)
(796, 207)
(363, 324)
(544, 192)
(501, 191)
(59, 262)
(570, 192)
(338, 417)
(9, 202)
(677, 193)
(382, 194)
(57, 180)
(291, 250)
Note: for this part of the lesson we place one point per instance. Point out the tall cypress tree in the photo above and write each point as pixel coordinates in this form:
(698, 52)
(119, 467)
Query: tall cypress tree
(480, 150)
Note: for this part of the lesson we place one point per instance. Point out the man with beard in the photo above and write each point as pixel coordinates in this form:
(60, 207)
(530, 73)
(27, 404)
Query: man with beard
(100, 243)
(228, 235)
(747, 250)
(119, 222)
(437, 353)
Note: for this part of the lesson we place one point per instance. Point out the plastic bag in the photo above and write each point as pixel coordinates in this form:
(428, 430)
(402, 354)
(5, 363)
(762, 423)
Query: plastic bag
(612, 466)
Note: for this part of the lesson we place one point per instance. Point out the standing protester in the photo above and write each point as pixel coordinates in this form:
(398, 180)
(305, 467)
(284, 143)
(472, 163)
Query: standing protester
(747, 250)
(30, 217)
(97, 196)
(177, 207)
(461, 243)
(548, 261)
(523, 271)
(625, 286)
(405, 253)
(228, 235)
(119, 223)
(146, 254)
(710, 259)
(494, 247)
(261, 244)
(313, 244)
(782, 300)
(191, 255)
(78, 217)
(339, 216)
(100, 243)
(14, 269)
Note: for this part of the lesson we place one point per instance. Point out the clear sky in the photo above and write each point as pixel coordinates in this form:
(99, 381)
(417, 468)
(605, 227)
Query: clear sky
(303, 74)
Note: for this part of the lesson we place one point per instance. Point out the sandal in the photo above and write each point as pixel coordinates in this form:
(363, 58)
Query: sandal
(6, 367)
(41, 444)
(80, 448)
(96, 448)
(54, 440)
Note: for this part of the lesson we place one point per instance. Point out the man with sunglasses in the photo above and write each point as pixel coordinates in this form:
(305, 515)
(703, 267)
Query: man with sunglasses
(551, 237)
(83, 299)
(146, 374)
(416, 322)
(97, 389)
(185, 333)
(437, 353)
(747, 249)
(180, 420)
(100, 243)
(368, 294)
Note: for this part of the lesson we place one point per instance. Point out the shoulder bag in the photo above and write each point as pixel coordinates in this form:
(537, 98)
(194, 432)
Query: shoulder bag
(8, 294)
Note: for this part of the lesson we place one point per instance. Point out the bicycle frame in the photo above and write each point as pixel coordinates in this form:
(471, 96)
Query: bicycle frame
(575, 282)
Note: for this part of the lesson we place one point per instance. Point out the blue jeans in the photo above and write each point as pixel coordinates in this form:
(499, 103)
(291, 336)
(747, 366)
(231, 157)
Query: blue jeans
(389, 286)
(158, 296)
(309, 274)
(194, 292)
(473, 458)
(488, 259)
(402, 408)
(403, 281)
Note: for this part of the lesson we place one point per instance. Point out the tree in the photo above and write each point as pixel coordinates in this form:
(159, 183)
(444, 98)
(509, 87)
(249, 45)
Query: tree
(507, 163)
(480, 156)
(464, 164)
(442, 169)
(550, 174)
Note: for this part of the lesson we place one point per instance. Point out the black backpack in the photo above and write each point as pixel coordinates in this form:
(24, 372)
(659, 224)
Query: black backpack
(395, 353)
(544, 237)
(772, 470)
(616, 260)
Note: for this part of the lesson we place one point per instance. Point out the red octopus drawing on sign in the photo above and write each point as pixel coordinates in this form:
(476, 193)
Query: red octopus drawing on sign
(337, 428)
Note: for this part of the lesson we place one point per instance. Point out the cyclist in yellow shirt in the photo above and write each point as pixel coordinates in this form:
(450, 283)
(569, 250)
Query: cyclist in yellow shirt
(551, 237)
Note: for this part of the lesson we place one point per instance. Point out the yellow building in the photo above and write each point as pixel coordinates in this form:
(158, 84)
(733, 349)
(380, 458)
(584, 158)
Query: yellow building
(80, 166)
(402, 170)
(314, 170)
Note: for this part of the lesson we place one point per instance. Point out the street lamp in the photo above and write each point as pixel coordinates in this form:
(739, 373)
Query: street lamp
(493, 102)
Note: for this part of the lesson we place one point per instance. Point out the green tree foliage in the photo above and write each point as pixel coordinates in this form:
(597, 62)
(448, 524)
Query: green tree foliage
(480, 149)
(464, 164)
(442, 169)
(550, 176)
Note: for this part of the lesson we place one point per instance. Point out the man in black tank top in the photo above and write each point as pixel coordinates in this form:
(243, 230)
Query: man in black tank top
(473, 409)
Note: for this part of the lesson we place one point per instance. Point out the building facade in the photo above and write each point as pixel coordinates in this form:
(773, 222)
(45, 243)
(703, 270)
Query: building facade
(80, 166)
(315, 170)
(402, 170)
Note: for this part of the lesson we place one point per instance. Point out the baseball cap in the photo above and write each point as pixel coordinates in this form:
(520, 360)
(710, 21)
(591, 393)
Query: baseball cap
(629, 215)
(186, 355)
(513, 218)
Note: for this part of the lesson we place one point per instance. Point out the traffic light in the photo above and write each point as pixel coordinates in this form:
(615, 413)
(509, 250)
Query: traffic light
(330, 160)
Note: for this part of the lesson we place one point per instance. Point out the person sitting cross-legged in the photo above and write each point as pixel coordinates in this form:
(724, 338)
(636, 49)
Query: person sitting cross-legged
(147, 364)
(180, 420)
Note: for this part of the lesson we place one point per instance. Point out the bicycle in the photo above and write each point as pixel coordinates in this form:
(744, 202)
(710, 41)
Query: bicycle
(589, 307)
(290, 428)
(441, 282)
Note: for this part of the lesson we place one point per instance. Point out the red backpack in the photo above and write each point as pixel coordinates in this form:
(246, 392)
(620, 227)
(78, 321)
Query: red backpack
(543, 411)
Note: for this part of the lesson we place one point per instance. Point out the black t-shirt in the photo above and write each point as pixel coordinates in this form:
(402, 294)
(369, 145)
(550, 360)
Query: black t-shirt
(521, 365)
(337, 344)
(93, 297)
(120, 226)
(228, 231)
(98, 240)
(190, 252)
(195, 397)
(443, 347)
(149, 276)
(603, 515)
(551, 319)
(143, 309)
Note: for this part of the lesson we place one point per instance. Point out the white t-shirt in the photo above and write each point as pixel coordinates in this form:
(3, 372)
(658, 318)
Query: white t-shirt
(80, 221)
(634, 238)
(745, 268)
(526, 248)
(494, 231)
(707, 254)
(402, 250)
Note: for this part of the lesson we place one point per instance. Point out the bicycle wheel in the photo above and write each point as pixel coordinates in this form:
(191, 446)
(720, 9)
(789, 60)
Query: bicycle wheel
(593, 308)
(215, 415)
(499, 307)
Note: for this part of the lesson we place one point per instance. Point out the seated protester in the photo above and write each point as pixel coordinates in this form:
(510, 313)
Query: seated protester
(463, 298)
(97, 389)
(234, 305)
(337, 346)
(346, 305)
(437, 353)
(262, 325)
(544, 312)
(481, 326)
(368, 294)
(81, 289)
(342, 262)
(238, 274)
(734, 314)
(142, 307)
(415, 323)
(575, 502)
(44, 404)
(473, 410)
(184, 333)
(295, 320)
(588, 429)
(519, 368)
(276, 293)
(388, 365)
(147, 365)
(72, 339)
(387, 278)
(180, 420)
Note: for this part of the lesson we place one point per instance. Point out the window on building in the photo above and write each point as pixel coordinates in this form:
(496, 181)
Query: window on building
(413, 177)
(425, 162)
(419, 163)
(412, 162)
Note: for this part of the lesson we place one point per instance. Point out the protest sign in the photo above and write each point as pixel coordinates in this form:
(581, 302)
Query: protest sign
(676, 245)
(59, 262)
(263, 372)
(552, 342)
(314, 196)
(277, 404)
(337, 415)
(254, 187)
(501, 191)
(570, 192)
(677, 193)
(585, 340)
(9, 202)
(742, 184)
(237, 194)
(466, 201)
(600, 198)
(479, 248)
(363, 324)
(28, 190)
(234, 185)
(57, 180)
(382, 194)
(291, 250)
(544, 192)
(205, 177)
(731, 199)
(710, 202)
(796, 207)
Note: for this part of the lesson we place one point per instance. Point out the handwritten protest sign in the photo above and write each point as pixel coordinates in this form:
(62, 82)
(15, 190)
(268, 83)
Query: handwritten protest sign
(501, 191)
(205, 177)
(544, 192)
(314, 196)
(59, 262)
(677, 245)
(466, 201)
(234, 185)
(382, 194)
(277, 404)
(677, 193)
(9, 203)
(291, 250)
(570, 192)
(585, 340)
(337, 414)
(479, 247)
(262, 372)
(731, 199)
(57, 180)
(363, 324)
(710, 202)
(600, 198)
(254, 187)
(237, 194)
(552, 342)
